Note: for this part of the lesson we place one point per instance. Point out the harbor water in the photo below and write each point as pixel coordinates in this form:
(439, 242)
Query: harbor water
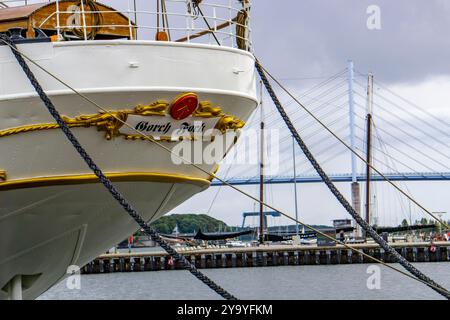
(357, 281)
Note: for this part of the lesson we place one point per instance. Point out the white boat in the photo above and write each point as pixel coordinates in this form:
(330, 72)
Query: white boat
(53, 211)
(236, 244)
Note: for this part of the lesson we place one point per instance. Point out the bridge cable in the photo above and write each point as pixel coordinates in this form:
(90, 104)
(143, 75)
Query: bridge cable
(313, 121)
(307, 94)
(401, 200)
(319, 98)
(412, 170)
(20, 55)
(432, 126)
(407, 112)
(407, 155)
(262, 69)
(328, 147)
(296, 114)
(106, 182)
(388, 157)
(383, 146)
(322, 84)
(408, 266)
(431, 137)
(423, 110)
(413, 147)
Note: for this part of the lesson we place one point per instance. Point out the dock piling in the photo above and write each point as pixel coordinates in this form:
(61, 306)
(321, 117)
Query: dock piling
(264, 256)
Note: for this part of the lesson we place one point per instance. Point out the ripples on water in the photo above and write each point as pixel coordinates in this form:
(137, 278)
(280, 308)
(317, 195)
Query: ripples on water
(283, 282)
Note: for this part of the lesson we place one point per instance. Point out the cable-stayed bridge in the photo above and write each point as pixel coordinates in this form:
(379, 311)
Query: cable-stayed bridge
(409, 142)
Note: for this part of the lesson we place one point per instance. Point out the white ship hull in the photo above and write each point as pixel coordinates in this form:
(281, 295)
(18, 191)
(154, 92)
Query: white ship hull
(53, 211)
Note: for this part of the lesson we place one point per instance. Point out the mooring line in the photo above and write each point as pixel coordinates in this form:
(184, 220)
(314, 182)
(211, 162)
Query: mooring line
(439, 289)
(107, 183)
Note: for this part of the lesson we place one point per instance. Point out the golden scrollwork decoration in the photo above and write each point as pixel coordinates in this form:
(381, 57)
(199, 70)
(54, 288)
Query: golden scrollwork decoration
(158, 108)
(229, 123)
(226, 122)
(108, 122)
(111, 122)
(206, 110)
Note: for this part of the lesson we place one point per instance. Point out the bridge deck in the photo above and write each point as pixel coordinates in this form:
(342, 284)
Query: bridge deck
(430, 176)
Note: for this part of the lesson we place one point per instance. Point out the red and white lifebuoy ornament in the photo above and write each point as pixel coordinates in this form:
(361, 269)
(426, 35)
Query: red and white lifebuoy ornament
(184, 106)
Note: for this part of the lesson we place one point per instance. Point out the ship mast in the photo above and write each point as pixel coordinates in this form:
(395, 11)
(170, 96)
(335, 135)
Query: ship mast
(261, 170)
(295, 188)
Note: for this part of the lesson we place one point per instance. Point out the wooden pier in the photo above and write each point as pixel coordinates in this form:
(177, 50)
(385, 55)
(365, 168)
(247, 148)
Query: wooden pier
(265, 256)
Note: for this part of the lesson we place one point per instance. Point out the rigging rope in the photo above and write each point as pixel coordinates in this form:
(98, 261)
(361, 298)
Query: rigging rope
(107, 183)
(197, 6)
(367, 228)
(437, 288)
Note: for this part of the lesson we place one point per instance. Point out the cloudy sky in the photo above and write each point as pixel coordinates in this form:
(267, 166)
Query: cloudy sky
(314, 37)
(310, 40)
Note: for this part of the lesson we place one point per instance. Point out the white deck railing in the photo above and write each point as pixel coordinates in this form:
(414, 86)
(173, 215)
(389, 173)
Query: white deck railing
(223, 22)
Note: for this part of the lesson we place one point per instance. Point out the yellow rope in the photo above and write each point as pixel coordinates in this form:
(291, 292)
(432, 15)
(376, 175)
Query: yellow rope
(30, 128)
(95, 23)
(241, 29)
